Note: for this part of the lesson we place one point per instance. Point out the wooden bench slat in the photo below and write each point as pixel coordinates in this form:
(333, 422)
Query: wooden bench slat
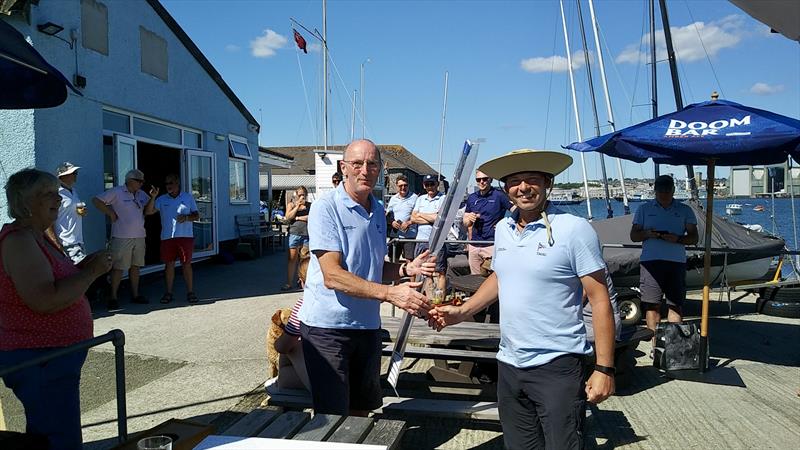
(386, 432)
(251, 424)
(352, 431)
(442, 353)
(286, 425)
(319, 428)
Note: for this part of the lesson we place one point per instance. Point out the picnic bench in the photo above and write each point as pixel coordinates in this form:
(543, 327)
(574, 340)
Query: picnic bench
(264, 428)
(254, 228)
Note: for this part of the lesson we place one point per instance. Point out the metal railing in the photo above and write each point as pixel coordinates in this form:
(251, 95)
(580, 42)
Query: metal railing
(116, 337)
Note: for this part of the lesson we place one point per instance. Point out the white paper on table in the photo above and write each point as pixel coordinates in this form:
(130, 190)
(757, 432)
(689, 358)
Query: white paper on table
(253, 443)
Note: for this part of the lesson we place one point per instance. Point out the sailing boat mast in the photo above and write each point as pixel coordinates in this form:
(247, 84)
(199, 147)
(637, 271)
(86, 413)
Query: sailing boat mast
(599, 50)
(609, 210)
(653, 75)
(676, 86)
(444, 118)
(325, 74)
(575, 107)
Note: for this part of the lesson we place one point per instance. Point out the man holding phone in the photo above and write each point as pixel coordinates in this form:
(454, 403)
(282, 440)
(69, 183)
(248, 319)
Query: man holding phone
(665, 227)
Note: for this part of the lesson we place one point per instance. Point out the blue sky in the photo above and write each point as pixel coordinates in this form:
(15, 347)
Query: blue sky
(507, 69)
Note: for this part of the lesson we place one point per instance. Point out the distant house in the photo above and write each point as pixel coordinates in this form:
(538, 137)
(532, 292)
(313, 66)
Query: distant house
(151, 100)
(313, 168)
(757, 181)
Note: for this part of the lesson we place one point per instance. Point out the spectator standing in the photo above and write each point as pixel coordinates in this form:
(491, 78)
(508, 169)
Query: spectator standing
(178, 213)
(68, 228)
(125, 205)
(485, 208)
(399, 211)
(336, 178)
(43, 308)
(665, 227)
(297, 215)
(544, 259)
(340, 317)
(426, 210)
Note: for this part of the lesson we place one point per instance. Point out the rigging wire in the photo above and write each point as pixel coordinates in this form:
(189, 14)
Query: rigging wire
(550, 84)
(638, 62)
(305, 94)
(708, 58)
(344, 86)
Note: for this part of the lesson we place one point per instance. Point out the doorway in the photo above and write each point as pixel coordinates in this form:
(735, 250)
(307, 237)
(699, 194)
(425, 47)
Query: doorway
(156, 161)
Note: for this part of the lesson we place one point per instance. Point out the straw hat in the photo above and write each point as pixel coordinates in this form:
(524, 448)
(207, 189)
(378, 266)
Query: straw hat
(526, 160)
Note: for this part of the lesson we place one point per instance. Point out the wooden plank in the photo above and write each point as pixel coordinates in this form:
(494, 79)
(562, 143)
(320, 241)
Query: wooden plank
(443, 408)
(286, 425)
(353, 430)
(475, 334)
(413, 351)
(386, 432)
(288, 399)
(252, 424)
(319, 428)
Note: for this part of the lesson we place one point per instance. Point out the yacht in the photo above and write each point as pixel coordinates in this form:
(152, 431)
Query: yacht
(733, 209)
(564, 199)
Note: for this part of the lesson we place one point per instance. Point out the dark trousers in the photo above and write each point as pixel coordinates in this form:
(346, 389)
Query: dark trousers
(50, 395)
(542, 407)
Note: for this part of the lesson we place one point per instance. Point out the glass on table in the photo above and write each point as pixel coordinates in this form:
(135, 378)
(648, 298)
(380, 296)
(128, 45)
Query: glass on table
(155, 443)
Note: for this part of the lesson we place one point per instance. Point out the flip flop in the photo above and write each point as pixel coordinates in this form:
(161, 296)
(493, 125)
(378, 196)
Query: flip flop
(191, 297)
(166, 298)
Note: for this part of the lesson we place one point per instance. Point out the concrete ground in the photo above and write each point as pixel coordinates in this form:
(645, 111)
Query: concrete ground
(207, 363)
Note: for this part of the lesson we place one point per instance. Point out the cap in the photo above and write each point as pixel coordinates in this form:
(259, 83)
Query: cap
(664, 183)
(430, 178)
(66, 168)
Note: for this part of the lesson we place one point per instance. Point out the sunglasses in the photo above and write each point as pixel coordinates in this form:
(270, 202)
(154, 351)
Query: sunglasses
(482, 180)
(170, 183)
(137, 179)
(429, 184)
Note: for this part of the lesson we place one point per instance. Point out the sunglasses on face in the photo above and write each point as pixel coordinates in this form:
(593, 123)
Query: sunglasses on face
(482, 180)
(170, 183)
(138, 180)
(429, 184)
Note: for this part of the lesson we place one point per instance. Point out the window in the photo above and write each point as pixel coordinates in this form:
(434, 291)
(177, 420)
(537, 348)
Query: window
(94, 26)
(238, 147)
(114, 121)
(192, 139)
(154, 54)
(238, 180)
(157, 131)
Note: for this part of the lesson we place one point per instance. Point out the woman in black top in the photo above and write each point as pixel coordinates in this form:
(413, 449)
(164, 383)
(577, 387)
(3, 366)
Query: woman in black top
(297, 215)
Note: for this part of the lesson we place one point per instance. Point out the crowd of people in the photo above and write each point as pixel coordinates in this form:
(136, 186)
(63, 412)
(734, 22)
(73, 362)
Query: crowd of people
(542, 266)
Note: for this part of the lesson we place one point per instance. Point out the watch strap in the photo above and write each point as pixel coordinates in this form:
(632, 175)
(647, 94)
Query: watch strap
(610, 371)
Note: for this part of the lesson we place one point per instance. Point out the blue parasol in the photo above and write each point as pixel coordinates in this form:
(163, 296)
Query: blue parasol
(28, 80)
(714, 133)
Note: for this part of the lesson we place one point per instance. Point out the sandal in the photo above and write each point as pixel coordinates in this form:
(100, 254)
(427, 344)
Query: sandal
(191, 297)
(166, 298)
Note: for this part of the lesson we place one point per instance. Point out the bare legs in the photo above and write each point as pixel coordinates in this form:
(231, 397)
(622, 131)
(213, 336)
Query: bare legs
(653, 317)
(291, 269)
(169, 275)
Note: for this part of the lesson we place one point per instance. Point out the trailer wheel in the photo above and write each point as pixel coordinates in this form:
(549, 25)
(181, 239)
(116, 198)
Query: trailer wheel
(630, 311)
(781, 309)
(787, 295)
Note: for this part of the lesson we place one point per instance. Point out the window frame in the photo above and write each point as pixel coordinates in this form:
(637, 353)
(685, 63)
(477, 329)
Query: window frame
(235, 201)
(232, 153)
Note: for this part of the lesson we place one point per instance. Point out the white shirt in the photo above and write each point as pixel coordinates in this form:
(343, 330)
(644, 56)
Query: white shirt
(69, 225)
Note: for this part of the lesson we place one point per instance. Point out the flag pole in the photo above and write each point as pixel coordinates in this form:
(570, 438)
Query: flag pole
(707, 265)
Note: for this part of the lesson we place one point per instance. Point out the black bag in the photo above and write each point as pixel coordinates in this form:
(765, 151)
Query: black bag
(677, 346)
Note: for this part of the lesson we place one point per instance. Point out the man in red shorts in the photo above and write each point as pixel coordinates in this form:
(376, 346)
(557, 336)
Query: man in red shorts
(178, 211)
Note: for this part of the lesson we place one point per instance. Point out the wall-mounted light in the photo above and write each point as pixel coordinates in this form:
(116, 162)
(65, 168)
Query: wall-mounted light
(322, 155)
(50, 28)
(219, 137)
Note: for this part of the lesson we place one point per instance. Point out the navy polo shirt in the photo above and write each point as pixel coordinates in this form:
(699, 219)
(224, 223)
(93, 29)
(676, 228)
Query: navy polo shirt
(492, 208)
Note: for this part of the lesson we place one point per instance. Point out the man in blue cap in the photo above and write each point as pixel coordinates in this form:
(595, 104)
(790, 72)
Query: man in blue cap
(544, 260)
(425, 212)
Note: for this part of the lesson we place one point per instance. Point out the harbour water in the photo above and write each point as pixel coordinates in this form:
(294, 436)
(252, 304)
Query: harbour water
(780, 226)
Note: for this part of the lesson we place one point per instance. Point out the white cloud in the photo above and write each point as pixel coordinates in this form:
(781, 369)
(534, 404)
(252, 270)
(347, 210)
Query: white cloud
(766, 89)
(716, 36)
(265, 45)
(556, 63)
(232, 48)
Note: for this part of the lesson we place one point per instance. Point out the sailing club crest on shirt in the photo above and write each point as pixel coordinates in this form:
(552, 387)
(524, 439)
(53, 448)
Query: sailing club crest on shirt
(541, 249)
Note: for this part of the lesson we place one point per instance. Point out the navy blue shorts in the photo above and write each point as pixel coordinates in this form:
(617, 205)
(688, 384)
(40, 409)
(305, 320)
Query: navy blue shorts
(663, 278)
(344, 369)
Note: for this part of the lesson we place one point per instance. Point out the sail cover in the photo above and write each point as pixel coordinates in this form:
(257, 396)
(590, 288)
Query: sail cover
(623, 263)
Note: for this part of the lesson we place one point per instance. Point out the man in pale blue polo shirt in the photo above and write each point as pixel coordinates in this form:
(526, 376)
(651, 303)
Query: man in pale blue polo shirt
(425, 212)
(400, 206)
(543, 261)
(665, 227)
(340, 317)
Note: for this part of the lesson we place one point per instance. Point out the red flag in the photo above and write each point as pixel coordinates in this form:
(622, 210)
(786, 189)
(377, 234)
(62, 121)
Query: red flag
(301, 42)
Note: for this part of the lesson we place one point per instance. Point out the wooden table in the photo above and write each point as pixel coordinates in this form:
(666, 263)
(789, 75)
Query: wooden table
(264, 427)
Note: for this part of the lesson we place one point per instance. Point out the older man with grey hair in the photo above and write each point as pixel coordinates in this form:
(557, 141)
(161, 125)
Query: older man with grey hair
(126, 205)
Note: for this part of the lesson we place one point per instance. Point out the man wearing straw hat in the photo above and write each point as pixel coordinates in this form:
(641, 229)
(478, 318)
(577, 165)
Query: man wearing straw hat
(543, 261)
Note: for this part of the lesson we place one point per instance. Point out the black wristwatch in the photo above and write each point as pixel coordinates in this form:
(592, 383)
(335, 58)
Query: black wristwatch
(610, 371)
(403, 270)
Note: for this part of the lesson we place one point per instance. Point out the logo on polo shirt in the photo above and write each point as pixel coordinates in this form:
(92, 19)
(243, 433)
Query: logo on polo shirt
(540, 249)
(501, 249)
(348, 227)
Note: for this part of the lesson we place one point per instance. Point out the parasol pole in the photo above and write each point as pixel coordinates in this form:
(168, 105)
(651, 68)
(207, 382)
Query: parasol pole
(707, 265)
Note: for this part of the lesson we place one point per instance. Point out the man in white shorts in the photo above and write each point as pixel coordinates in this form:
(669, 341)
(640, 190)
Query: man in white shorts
(125, 206)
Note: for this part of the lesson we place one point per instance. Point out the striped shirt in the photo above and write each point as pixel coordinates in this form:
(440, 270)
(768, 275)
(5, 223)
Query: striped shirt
(293, 326)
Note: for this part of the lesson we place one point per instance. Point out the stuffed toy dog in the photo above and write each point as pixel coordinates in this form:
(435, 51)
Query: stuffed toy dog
(279, 321)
